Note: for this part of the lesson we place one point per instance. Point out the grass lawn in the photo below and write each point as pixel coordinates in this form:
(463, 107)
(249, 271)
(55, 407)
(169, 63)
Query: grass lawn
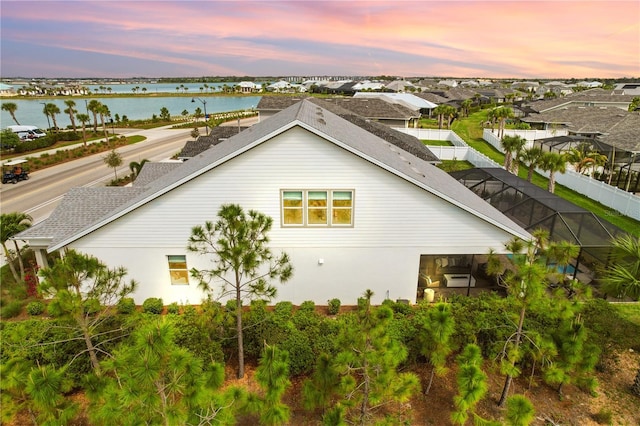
(436, 142)
(629, 311)
(470, 130)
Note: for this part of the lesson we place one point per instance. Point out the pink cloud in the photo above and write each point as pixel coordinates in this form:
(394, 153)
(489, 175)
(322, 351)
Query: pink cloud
(513, 38)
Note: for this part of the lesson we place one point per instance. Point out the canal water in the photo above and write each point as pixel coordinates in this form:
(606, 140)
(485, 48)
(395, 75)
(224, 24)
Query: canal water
(135, 107)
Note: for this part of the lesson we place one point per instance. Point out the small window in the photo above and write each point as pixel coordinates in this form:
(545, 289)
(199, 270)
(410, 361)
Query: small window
(178, 270)
(342, 207)
(317, 208)
(292, 207)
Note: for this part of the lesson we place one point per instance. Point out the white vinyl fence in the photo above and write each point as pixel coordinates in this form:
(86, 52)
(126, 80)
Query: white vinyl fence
(620, 202)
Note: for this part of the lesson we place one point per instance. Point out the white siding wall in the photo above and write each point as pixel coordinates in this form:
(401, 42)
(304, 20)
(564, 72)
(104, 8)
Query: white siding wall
(395, 222)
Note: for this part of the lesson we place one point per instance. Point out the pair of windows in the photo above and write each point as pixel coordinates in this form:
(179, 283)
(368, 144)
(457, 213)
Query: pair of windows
(317, 208)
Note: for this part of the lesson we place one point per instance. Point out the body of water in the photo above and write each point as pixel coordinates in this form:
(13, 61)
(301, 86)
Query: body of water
(29, 111)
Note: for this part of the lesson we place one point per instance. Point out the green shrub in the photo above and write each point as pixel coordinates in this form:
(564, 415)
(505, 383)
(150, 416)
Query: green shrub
(307, 306)
(197, 336)
(301, 355)
(126, 306)
(35, 308)
(334, 306)
(11, 310)
(283, 310)
(173, 308)
(152, 305)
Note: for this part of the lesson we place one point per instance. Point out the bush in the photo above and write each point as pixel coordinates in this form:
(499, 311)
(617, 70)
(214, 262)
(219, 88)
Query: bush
(11, 310)
(603, 417)
(307, 306)
(334, 306)
(35, 308)
(126, 306)
(152, 305)
(173, 308)
(301, 356)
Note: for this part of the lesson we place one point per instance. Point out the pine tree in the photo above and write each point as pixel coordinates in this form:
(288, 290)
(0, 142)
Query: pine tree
(38, 390)
(472, 383)
(152, 381)
(520, 411)
(576, 359)
(272, 375)
(368, 366)
(436, 325)
(242, 259)
(532, 263)
(85, 290)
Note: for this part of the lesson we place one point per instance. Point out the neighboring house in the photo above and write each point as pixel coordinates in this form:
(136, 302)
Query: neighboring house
(7, 90)
(353, 211)
(632, 88)
(408, 100)
(248, 87)
(400, 86)
(380, 110)
(373, 108)
(592, 97)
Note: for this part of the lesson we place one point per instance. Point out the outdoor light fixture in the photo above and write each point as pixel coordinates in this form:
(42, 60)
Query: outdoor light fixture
(206, 118)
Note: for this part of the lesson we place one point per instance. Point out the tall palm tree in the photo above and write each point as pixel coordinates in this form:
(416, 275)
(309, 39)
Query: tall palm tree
(50, 110)
(93, 106)
(71, 111)
(530, 157)
(512, 145)
(11, 108)
(11, 224)
(503, 114)
(466, 105)
(84, 119)
(103, 111)
(553, 163)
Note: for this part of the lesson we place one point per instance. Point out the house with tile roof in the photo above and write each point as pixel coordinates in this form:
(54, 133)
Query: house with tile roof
(353, 211)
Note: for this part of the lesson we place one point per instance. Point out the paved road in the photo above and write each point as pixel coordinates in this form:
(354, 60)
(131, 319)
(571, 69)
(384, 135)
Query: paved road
(39, 195)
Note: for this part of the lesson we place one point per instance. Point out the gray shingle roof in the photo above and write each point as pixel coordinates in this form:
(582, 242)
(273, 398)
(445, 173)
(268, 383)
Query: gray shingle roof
(612, 125)
(585, 97)
(86, 209)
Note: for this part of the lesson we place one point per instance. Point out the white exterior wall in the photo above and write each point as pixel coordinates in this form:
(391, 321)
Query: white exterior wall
(394, 223)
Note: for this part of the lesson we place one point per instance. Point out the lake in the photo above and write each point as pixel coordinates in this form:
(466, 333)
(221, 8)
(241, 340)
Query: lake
(29, 111)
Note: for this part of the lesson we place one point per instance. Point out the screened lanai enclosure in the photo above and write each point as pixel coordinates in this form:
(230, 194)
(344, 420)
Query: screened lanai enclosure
(535, 208)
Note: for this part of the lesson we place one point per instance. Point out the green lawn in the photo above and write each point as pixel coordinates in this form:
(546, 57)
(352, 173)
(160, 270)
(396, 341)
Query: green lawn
(629, 311)
(436, 142)
(470, 130)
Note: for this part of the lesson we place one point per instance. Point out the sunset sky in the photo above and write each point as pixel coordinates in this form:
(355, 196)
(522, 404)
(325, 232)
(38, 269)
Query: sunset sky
(466, 39)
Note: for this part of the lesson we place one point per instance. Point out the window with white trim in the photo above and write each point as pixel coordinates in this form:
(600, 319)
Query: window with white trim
(178, 270)
(317, 207)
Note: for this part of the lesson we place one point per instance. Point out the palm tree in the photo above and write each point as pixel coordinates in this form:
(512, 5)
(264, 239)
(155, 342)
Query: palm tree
(621, 277)
(466, 105)
(10, 225)
(84, 119)
(71, 111)
(11, 108)
(50, 110)
(530, 157)
(502, 114)
(103, 111)
(135, 167)
(510, 145)
(553, 162)
(450, 113)
(94, 106)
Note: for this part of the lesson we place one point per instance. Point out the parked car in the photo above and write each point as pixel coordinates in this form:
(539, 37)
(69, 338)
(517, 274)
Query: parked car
(14, 171)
